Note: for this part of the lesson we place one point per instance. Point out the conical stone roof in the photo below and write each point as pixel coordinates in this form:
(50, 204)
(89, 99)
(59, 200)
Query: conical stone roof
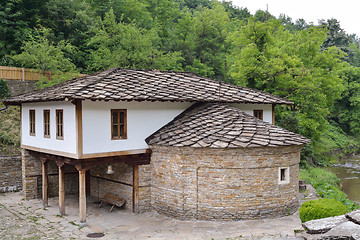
(218, 125)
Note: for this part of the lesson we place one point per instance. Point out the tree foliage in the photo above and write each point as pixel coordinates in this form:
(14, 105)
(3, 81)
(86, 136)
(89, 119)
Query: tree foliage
(4, 89)
(266, 56)
(315, 66)
(41, 53)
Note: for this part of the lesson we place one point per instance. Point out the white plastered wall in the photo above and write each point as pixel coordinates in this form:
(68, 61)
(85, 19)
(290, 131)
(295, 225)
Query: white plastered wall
(67, 145)
(143, 119)
(249, 109)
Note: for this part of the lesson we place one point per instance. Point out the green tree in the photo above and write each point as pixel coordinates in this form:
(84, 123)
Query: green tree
(208, 42)
(117, 44)
(40, 53)
(17, 18)
(268, 57)
(69, 21)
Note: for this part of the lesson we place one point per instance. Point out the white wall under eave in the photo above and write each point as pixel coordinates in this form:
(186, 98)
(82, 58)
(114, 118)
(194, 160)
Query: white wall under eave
(143, 119)
(67, 145)
(249, 109)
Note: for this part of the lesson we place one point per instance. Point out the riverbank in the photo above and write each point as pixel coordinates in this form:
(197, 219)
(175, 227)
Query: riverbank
(348, 171)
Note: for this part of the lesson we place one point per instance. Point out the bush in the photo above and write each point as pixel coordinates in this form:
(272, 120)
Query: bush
(321, 208)
(4, 90)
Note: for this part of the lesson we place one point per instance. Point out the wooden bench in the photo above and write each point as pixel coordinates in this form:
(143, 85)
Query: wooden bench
(113, 200)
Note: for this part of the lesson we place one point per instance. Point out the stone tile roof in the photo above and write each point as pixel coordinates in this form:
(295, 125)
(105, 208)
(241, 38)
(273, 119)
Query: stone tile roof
(218, 125)
(147, 85)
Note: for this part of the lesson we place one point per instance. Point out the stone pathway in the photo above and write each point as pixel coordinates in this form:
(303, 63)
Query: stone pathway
(22, 219)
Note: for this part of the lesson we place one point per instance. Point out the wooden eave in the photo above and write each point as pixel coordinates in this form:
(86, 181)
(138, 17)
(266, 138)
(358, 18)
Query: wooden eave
(85, 164)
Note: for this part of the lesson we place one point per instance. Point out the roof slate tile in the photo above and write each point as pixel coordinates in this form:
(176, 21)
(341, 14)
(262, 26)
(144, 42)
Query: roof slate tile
(205, 123)
(151, 85)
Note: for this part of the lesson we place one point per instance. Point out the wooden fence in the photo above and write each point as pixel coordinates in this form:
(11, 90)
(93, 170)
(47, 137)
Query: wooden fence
(24, 74)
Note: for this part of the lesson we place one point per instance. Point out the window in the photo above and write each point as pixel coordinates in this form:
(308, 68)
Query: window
(47, 123)
(258, 114)
(284, 175)
(118, 124)
(59, 124)
(32, 122)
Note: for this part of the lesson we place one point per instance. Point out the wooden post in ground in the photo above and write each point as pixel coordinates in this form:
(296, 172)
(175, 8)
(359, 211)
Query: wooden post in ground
(44, 182)
(135, 189)
(82, 195)
(61, 191)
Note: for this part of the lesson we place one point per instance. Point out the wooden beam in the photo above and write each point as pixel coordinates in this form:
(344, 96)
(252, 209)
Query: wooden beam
(82, 196)
(78, 110)
(88, 186)
(61, 191)
(44, 166)
(273, 114)
(135, 199)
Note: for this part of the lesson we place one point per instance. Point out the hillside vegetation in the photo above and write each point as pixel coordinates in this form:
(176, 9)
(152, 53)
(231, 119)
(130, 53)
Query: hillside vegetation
(314, 65)
(10, 131)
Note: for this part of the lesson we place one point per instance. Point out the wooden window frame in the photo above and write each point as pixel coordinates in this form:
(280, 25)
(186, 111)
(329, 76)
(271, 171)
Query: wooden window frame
(32, 122)
(259, 112)
(46, 114)
(60, 124)
(118, 126)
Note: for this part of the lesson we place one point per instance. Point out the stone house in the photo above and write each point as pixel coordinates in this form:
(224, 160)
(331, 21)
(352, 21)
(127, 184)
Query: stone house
(183, 145)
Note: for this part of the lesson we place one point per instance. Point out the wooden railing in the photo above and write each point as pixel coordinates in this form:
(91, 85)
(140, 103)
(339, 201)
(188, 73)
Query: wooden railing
(24, 74)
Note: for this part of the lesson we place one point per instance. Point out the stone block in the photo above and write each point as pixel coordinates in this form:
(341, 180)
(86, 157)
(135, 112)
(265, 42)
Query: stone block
(354, 216)
(323, 225)
(346, 230)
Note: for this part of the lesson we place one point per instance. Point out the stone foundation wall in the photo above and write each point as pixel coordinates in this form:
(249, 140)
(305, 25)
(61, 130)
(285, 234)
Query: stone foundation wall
(10, 173)
(224, 184)
(121, 183)
(17, 87)
(32, 177)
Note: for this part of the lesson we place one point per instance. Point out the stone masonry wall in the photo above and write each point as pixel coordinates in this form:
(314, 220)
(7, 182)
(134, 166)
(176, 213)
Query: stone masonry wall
(223, 184)
(121, 183)
(10, 173)
(17, 87)
(32, 177)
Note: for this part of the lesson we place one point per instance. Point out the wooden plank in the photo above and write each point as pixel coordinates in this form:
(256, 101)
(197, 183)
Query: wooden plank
(25, 74)
(61, 191)
(13, 73)
(49, 151)
(82, 196)
(78, 111)
(273, 114)
(44, 182)
(135, 189)
(117, 153)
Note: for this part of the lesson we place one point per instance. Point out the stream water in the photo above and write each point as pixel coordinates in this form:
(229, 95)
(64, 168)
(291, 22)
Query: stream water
(348, 171)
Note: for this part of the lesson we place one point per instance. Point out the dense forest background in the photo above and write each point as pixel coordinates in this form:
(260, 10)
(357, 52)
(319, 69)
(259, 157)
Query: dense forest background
(317, 66)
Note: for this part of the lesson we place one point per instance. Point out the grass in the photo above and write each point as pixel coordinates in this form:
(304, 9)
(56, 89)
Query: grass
(10, 131)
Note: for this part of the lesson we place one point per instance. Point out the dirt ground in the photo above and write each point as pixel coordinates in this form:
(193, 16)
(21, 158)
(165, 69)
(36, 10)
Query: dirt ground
(21, 219)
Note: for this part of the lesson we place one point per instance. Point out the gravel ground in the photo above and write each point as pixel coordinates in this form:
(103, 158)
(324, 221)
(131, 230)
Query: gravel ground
(22, 219)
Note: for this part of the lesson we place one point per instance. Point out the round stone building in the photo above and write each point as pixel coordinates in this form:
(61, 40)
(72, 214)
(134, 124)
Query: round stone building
(215, 162)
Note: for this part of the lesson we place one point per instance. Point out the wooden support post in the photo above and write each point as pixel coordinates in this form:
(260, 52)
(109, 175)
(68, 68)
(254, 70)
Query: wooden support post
(44, 182)
(273, 114)
(61, 191)
(82, 195)
(88, 176)
(135, 189)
